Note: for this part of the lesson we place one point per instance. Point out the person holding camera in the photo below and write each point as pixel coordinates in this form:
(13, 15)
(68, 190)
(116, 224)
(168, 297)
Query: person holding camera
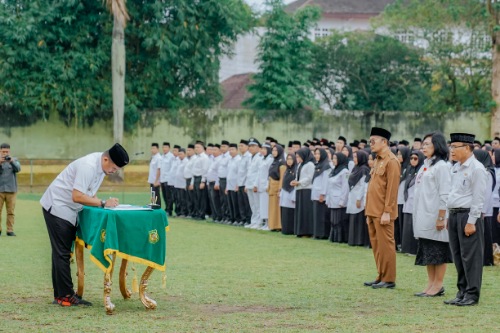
(9, 167)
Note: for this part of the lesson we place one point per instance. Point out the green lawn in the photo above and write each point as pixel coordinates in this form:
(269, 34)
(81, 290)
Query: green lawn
(223, 278)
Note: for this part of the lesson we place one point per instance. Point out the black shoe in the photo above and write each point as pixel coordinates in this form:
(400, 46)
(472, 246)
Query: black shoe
(10, 233)
(0, 233)
(454, 301)
(439, 293)
(371, 283)
(381, 284)
(422, 294)
(467, 302)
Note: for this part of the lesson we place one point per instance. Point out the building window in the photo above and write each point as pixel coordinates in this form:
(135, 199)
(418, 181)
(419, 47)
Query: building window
(405, 36)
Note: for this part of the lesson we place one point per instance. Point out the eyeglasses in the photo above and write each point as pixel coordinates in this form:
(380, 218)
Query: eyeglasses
(373, 141)
(455, 147)
(426, 144)
(414, 158)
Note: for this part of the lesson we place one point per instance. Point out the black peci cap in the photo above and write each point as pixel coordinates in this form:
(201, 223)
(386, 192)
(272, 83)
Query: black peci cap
(118, 155)
(462, 137)
(377, 131)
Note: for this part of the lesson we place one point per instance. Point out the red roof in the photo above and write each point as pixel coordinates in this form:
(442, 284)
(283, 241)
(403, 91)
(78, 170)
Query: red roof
(234, 90)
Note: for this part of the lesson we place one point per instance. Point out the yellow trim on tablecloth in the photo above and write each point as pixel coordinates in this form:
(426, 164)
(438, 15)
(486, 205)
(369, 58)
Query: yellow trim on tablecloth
(108, 252)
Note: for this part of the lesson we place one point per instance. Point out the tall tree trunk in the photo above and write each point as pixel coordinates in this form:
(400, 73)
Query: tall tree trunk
(118, 78)
(118, 81)
(495, 85)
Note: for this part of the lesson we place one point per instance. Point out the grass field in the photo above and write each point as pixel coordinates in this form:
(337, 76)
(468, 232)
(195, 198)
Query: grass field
(229, 279)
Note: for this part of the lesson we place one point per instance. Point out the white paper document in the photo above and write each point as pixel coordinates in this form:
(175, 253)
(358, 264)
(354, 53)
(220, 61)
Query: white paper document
(128, 207)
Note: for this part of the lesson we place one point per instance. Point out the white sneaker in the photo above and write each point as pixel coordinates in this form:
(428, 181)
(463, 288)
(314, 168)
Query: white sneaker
(249, 226)
(256, 226)
(265, 227)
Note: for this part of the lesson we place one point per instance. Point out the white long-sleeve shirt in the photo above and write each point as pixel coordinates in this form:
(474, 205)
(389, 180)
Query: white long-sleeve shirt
(200, 167)
(467, 190)
(213, 170)
(232, 173)
(263, 175)
(320, 184)
(306, 176)
(154, 165)
(243, 168)
(223, 165)
(495, 197)
(188, 168)
(432, 189)
(356, 193)
(338, 190)
(179, 180)
(166, 167)
(253, 171)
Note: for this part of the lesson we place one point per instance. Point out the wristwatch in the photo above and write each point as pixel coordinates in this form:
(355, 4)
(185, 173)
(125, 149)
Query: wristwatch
(103, 203)
(440, 218)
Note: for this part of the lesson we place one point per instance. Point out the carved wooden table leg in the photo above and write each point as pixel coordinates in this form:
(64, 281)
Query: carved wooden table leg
(123, 280)
(108, 305)
(148, 302)
(80, 268)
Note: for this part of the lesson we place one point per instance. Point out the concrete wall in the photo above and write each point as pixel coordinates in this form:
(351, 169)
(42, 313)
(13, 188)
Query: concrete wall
(54, 140)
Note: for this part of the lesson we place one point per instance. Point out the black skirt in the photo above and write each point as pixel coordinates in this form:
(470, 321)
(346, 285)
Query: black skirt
(321, 225)
(408, 243)
(358, 229)
(431, 252)
(488, 241)
(287, 217)
(303, 221)
(340, 225)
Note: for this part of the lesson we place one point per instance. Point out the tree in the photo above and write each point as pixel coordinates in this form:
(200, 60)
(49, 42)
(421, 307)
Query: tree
(370, 72)
(455, 35)
(54, 56)
(120, 18)
(494, 10)
(282, 86)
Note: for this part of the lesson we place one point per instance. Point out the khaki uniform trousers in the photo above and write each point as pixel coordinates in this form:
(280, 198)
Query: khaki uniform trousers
(384, 248)
(10, 202)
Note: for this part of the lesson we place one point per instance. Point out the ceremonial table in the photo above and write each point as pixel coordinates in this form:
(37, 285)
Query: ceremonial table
(133, 235)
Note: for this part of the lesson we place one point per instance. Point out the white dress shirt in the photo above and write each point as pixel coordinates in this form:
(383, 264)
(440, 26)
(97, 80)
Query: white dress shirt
(84, 175)
(180, 181)
(253, 171)
(232, 173)
(223, 165)
(320, 184)
(154, 165)
(188, 168)
(200, 167)
(243, 168)
(263, 175)
(213, 170)
(165, 167)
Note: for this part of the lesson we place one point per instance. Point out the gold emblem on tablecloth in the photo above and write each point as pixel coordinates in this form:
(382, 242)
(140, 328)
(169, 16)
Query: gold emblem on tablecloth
(103, 235)
(153, 236)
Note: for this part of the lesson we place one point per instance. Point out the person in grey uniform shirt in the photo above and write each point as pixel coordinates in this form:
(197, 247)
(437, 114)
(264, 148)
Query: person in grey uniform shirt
(465, 227)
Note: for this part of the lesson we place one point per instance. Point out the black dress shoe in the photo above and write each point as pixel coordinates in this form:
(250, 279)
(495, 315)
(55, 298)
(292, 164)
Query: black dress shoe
(467, 302)
(371, 283)
(439, 293)
(422, 294)
(10, 233)
(381, 284)
(454, 301)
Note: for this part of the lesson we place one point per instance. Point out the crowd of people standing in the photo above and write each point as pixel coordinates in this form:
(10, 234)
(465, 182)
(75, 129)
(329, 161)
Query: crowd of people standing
(431, 198)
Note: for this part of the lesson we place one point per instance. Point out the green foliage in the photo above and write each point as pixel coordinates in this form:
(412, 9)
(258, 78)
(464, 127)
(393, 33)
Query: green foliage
(55, 56)
(370, 72)
(282, 86)
(456, 38)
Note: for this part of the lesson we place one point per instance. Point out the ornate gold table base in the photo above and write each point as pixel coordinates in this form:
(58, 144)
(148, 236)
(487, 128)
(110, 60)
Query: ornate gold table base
(148, 302)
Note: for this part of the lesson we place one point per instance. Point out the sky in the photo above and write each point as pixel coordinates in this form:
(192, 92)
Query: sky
(258, 4)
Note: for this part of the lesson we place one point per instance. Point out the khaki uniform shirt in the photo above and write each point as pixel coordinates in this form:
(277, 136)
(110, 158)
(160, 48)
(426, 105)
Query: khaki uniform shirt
(382, 194)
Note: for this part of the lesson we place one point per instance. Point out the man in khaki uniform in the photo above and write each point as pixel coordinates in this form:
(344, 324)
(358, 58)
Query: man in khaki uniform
(382, 209)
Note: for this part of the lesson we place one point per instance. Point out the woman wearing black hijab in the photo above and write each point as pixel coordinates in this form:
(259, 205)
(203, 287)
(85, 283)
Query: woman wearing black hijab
(495, 228)
(484, 157)
(336, 199)
(276, 172)
(358, 229)
(409, 243)
(287, 196)
(303, 183)
(321, 225)
(403, 155)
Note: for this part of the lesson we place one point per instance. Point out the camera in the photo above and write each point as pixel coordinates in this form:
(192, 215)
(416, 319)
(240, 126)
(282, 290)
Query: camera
(8, 158)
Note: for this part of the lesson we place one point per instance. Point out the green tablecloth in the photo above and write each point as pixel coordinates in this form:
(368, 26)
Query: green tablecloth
(136, 235)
